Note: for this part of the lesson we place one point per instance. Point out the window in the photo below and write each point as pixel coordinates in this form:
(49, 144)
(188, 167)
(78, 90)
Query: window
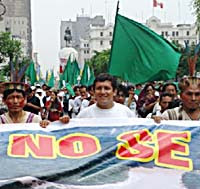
(177, 33)
(101, 34)
(173, 33)
(88, 51)
(110, 42)
(162, 33)
(7, 29)
(85, 52)
(188, 33)
(87, 45)
(101, 42)
(110, 33)
(166, 33)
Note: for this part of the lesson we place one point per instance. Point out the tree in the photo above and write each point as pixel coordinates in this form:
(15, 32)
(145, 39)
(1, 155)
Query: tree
(196, 6)
(99, 62)
(9, 48)
(11, 52)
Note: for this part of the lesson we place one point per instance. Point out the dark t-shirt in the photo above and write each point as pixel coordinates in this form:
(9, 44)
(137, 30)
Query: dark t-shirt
(35, 101)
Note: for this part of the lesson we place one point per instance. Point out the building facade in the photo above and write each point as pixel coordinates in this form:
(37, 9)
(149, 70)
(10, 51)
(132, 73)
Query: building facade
(177, 33)
(17, 20)
(87, 35)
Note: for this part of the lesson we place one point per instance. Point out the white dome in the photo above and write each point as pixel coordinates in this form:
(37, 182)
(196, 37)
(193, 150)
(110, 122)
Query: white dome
(65, 52)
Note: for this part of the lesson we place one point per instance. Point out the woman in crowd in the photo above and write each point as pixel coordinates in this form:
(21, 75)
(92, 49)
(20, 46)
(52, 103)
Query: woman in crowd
(53, 107)
(146, 101)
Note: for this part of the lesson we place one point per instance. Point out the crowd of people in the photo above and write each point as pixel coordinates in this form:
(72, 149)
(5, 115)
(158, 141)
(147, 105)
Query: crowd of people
(21, 103)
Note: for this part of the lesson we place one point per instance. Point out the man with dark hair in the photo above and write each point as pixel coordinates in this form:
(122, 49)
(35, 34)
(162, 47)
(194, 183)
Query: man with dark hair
(165, 100)
(33, 103)
(190, 97)
(105, 87)
(81, 102)
(14, 96)
(171, 88)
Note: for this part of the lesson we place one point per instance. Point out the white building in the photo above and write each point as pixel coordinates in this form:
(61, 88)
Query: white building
(178, 33)
(100, 38)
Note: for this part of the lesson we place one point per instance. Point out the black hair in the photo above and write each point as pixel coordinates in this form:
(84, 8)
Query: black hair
(148, 85)
(168, 84)
(130, 87)
(76, 87)
(164, 94)
(123, 89)
(83, 86)
(106, 77)
(10, 91)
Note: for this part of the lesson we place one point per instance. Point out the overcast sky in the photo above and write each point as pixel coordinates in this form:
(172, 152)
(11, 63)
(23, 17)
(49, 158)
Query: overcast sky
(47, 16)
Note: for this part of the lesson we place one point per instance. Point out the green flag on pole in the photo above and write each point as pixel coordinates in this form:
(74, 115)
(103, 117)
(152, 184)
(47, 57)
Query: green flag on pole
(31, 73)
(139, 55)
(87, 76)
(71, 72)
(75, 73)
(51, 81)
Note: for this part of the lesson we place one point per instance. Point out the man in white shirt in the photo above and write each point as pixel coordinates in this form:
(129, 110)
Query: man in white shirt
(105, 87)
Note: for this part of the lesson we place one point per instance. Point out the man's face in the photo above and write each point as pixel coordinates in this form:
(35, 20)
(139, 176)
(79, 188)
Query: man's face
(83, 93)
(77, 92)
(191, 97)
(48, 93)
(104, 94)
(120, 97)
(171, 90)
(15, 102)
(164, 103)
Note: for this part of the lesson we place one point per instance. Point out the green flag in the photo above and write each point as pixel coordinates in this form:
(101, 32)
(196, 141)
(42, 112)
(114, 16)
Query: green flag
(31, 73)
(51, 80)
(60, 81)
(75, 73)
(71, 72)
(70, 89)
(139, 55)
(87, 77)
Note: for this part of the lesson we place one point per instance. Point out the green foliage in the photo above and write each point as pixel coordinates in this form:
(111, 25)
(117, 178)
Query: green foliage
(196, 6)
(99, 62)
(9, 48)
(11, 52)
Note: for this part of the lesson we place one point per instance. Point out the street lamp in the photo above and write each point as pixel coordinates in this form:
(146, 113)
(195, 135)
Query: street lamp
(2, 10)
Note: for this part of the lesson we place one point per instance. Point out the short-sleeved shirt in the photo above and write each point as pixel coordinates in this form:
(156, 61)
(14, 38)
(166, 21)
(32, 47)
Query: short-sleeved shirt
(28, 118)
(117, 111)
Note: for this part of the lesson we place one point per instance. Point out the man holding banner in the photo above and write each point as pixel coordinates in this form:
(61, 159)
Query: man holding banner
(14, 96)
(104, 89)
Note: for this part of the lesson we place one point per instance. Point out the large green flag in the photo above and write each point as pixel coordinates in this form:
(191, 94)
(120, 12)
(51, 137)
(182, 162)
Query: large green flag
(31, 73)
(51, 81)
(139, 55)
(87, 77)
(71, 72)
